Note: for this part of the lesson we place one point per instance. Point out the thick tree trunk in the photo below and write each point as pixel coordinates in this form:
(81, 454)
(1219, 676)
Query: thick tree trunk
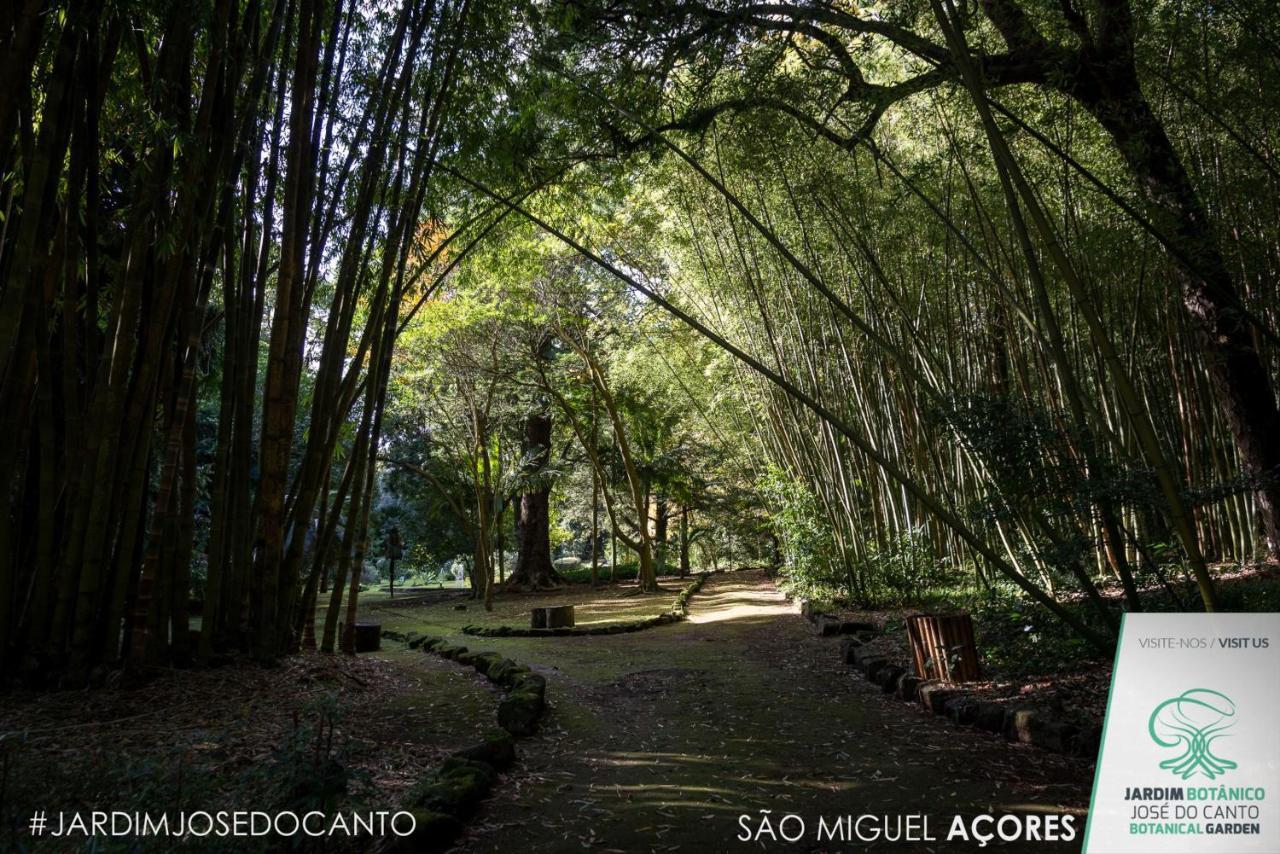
(662, 518)
(184, 547)
(1239, 378)
(533, 558)
(288, 331)
(355, 475)
(595, 526)
(684, 541)
(502, 556)
(482, 583)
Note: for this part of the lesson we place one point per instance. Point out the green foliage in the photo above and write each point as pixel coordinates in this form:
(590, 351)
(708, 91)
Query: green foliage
(1033, 461)
(581, 574)
(1019, 639)
(904, 570)
(808, 544)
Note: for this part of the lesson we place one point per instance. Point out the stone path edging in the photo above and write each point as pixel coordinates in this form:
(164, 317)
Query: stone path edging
(448, 795)
(443, 799)
(1037, 727)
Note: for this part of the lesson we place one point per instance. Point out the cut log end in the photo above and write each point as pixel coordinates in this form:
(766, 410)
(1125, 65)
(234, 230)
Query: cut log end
(943, 647)
(368, 637)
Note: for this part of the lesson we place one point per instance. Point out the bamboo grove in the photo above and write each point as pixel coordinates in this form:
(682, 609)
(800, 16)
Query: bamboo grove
(1016, 314)
(227, 188)
(981, 337)
(992, 287)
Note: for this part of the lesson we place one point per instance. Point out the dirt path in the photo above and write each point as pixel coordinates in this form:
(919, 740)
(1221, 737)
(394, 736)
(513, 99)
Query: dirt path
(660, 740)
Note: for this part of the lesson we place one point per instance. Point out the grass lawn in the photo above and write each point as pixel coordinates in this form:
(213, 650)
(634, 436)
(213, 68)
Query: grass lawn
(604, 605)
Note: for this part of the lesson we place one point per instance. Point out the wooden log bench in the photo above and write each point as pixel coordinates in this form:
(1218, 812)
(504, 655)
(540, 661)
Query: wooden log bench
(553, 617)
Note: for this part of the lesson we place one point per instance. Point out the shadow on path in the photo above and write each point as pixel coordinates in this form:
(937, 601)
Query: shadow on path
(660, 740)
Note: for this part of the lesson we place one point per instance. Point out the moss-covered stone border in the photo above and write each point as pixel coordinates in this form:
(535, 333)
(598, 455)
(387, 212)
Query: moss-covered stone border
(679, 610)
(448, 795)
(526, 691)
(1037, 727)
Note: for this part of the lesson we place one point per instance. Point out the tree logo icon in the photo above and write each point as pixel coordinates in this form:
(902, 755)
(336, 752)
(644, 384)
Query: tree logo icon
(1192, 721)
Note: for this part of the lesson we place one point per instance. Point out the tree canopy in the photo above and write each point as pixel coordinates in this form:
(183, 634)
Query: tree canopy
(898, 298)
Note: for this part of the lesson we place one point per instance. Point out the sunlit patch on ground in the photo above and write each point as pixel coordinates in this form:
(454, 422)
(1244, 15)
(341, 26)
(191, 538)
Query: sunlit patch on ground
(738, 600)
(660, 740)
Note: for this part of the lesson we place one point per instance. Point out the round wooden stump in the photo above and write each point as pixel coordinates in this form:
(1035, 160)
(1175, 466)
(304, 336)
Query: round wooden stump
(368, 637)
(555, 617)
